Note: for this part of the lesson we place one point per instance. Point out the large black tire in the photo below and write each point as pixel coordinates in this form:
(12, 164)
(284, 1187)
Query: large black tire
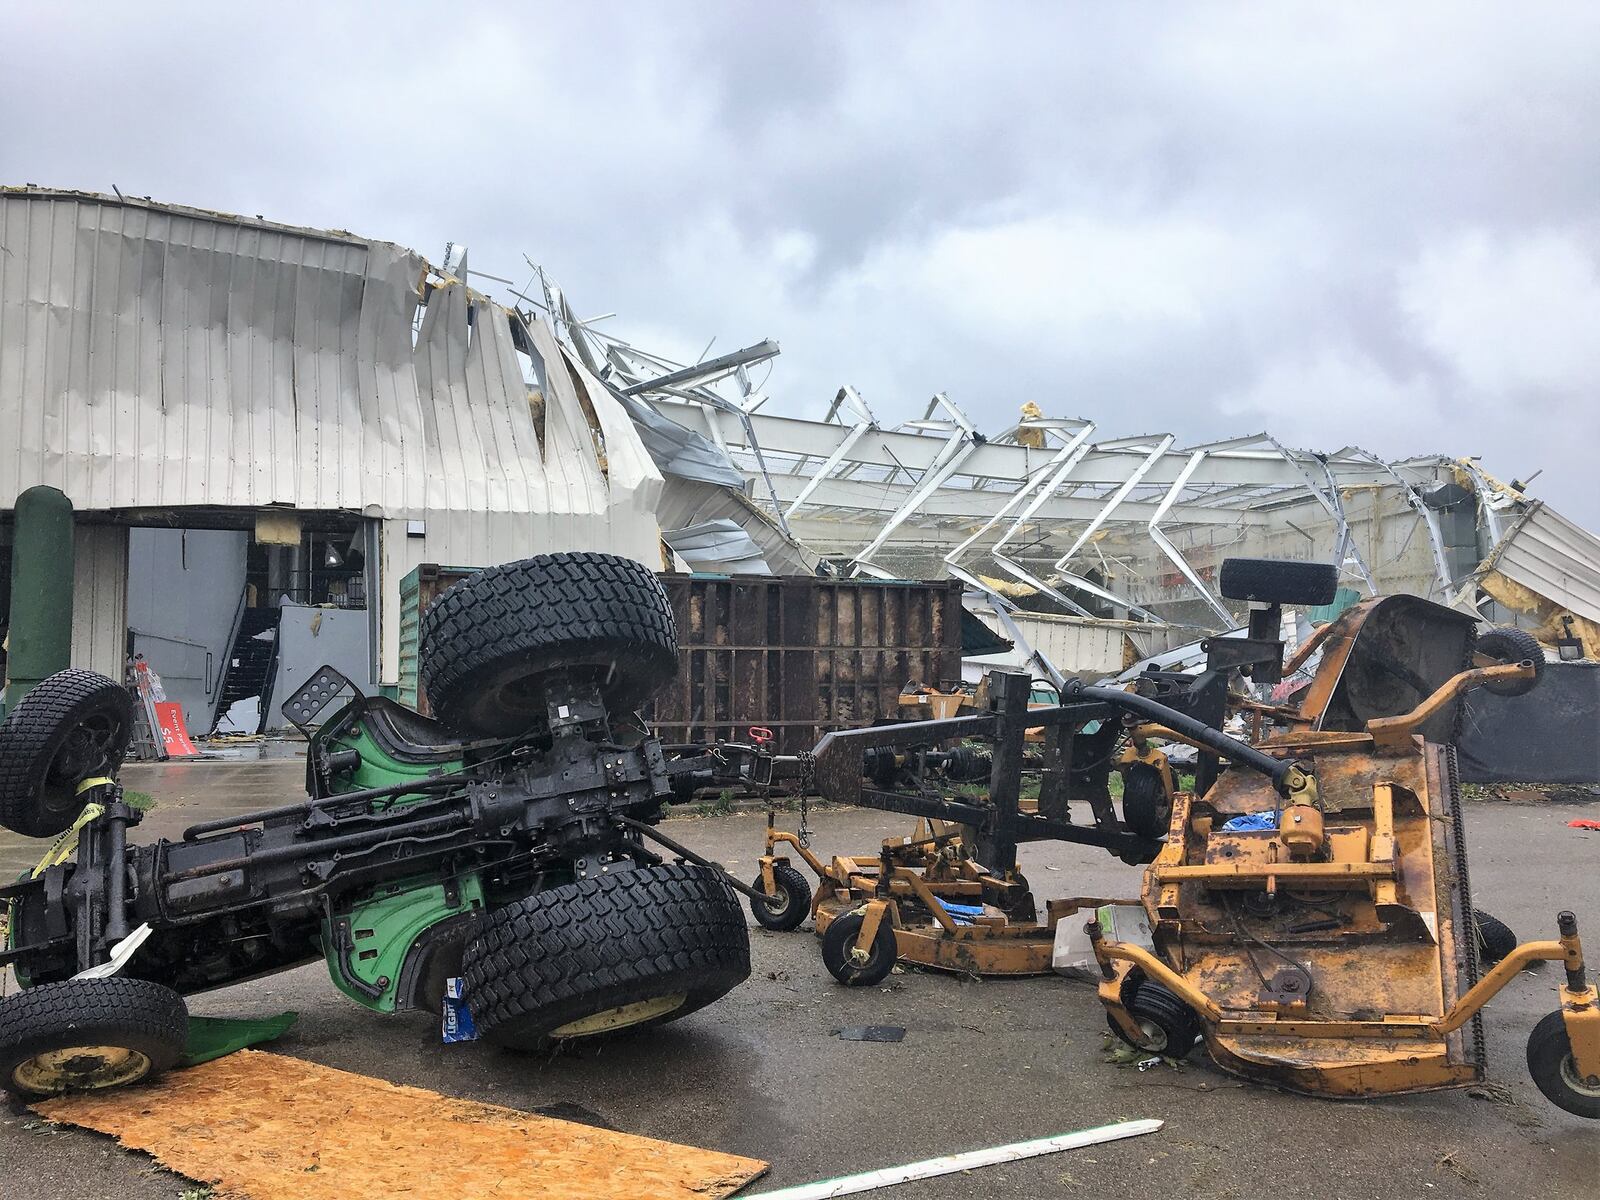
(489, 641)
(840, 940)
(72, 726)
(621, 951)
(1555, 1074)
(1146, 807)
(1170, 1026)
(89, 1034)
(796, 903)
(1508, 644)
(1494, 937)
(1279, 581)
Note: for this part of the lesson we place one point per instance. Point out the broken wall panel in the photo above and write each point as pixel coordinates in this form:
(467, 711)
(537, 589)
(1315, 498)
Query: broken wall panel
(1137, 523)
(1552, 558)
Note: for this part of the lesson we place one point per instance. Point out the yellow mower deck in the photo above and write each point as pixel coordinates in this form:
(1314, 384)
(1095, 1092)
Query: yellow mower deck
(1334, 952)
(926, 869)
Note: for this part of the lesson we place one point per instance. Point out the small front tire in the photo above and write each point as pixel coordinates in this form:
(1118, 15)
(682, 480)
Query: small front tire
(838, 946)
(1556, 1074)
(81, 1035)
(71, 727)
(795, 905)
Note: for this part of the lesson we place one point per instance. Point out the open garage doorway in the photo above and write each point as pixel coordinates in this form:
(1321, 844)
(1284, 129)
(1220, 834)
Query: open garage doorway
(232, 621)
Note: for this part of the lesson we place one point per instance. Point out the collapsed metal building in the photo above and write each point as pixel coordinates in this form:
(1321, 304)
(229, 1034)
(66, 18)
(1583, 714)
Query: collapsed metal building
(265, 430)
(1050, 515)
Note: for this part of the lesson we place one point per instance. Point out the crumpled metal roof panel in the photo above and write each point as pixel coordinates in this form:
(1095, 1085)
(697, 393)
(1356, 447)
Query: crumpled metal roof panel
(1551, 556)
(153, 356)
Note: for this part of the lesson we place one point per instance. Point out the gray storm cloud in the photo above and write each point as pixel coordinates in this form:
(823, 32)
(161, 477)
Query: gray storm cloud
(1346, 224)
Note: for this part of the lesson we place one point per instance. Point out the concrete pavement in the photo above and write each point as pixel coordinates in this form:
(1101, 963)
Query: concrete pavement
(759, 1073)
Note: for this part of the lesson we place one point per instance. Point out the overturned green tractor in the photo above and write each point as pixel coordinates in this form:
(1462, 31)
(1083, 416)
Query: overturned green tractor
(509, 842)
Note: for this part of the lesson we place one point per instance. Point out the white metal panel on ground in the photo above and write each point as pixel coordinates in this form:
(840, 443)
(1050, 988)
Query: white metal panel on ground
(1549, 555)
(1076, 646)
(100, 599)
(162, 357)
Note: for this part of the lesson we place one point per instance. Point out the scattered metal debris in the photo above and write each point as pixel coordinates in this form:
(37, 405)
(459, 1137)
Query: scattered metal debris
(871, 1181)
(871, 1033)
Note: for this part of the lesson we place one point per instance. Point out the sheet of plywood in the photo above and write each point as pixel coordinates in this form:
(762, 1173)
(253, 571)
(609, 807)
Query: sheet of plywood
(263, 1126)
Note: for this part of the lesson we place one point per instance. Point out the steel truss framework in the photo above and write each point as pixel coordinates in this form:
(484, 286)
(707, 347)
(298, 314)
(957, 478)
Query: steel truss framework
(857, 489)
(938, 480)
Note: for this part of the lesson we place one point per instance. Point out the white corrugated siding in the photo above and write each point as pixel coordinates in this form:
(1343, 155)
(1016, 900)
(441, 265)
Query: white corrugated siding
(100, 599)
(160, 357)
(1548, 554)
(1075, 646)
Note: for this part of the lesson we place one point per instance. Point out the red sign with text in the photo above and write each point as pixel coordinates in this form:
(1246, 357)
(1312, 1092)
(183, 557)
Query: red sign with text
(174, 736)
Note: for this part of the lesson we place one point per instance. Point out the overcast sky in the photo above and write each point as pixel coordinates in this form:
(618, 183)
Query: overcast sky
(1358, 223)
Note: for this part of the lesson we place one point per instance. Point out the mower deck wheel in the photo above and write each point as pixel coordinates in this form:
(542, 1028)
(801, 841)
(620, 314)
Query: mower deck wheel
(1495, 939)
(82, 1035)
(789, 912)
(1170, 1026)
(838, 946)
(1554, 1072)
(1146, 807)
(1508, 644)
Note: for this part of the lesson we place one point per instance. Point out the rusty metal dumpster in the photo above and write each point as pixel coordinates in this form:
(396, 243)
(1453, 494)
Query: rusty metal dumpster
(796, 654)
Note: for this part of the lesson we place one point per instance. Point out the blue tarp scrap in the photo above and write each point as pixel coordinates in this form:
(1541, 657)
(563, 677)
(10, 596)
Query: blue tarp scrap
(962, 914)
(1251, 823)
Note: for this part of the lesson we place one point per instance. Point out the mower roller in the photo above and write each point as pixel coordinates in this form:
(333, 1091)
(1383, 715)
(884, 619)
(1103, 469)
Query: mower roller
(509, 842)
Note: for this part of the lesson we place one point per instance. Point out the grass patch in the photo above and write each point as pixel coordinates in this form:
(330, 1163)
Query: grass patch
(722, 806)
(143, 801)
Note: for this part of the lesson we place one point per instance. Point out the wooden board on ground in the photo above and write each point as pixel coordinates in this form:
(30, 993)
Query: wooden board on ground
(267, 1127)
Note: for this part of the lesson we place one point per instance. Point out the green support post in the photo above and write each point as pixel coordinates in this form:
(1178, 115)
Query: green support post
(40, 636)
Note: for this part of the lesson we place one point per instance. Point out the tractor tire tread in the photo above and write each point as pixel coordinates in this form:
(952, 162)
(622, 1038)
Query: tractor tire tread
(543, 613)
(559, 955)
